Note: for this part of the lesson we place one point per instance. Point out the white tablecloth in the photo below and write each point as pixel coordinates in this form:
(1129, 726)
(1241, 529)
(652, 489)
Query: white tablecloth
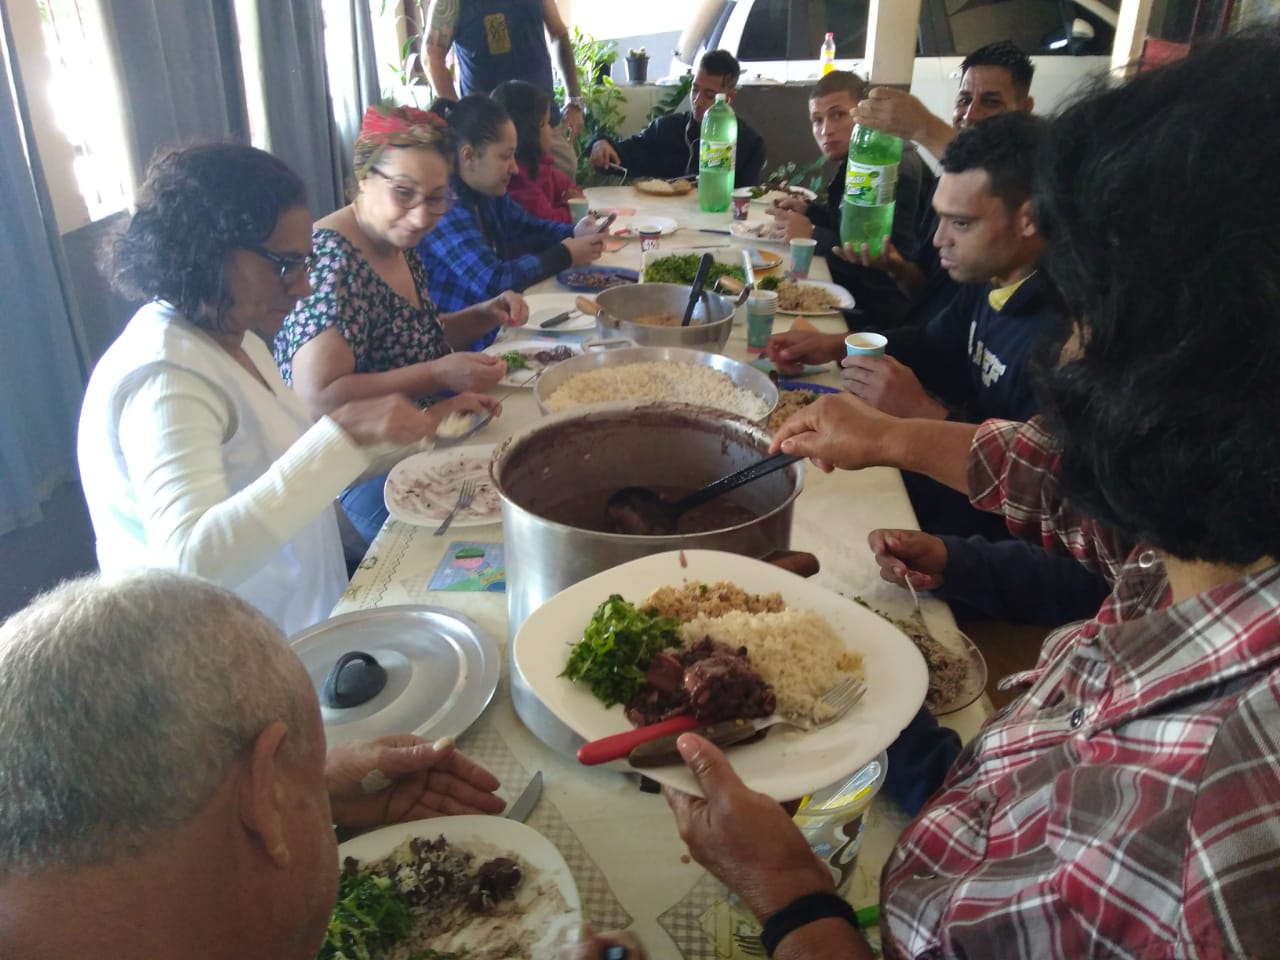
(621, 843)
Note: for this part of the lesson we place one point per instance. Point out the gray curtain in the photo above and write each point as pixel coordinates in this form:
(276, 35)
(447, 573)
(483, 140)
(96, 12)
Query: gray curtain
(41, 376)
(300, 130)
(179, 67)
(353, 71)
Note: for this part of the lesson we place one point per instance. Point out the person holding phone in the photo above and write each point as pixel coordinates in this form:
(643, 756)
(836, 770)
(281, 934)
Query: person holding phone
(487, 242)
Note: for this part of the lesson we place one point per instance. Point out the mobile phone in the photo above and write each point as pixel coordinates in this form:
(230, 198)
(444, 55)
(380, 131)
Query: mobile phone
(607, 222)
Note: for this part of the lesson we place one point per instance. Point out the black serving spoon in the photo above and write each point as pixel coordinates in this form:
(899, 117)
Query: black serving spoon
(699, 281)
(638, 511)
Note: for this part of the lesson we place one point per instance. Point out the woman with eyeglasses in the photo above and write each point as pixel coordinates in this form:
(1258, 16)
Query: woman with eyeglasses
(370, 326)
(488, 242)
(193, 453)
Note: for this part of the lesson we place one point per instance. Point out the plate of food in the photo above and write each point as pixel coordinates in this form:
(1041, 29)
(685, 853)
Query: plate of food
(631, 227)
(527, 359)
(764, 259)
(767, 193)
(423, 488)
(506, 892)
(679, 267)
(544, 306)
(793, 395)
(808, 298)
(759, 231)
(664, 188)
(957, 669)
(595, 279)
(800, 638)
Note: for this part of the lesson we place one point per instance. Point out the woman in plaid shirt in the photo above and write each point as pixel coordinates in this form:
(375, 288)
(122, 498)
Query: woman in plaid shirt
(1128, 804)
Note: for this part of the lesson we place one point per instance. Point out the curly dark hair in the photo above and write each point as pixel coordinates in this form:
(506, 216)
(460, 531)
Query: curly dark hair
(196, 205)
(1004, 146)
(527, 106)
(1161, 239)
(1004, 54)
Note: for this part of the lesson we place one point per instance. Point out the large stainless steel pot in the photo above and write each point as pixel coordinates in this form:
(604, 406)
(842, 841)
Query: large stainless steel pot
(742, 374)
(708, 329)
(584, 456)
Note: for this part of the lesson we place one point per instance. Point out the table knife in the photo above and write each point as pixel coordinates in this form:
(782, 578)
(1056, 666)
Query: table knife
(527, 800)
(620, 744)
(555, 321)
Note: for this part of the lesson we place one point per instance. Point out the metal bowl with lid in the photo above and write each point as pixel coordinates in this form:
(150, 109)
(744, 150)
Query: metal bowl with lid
(742, 374)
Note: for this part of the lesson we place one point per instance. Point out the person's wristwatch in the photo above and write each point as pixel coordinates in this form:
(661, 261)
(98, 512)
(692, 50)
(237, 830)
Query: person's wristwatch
(578, 102)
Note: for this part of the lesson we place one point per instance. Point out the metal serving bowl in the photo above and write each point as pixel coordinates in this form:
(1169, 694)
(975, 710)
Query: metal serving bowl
(742, 374)
(708, 328)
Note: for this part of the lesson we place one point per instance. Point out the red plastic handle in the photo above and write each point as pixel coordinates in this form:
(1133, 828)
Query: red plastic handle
(620, 744)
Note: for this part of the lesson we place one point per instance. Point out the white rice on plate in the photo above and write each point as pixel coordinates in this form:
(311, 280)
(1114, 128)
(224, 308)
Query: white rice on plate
(658, 381)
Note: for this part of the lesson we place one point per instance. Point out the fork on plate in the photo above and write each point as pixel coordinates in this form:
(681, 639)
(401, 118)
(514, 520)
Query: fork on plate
(466, 495)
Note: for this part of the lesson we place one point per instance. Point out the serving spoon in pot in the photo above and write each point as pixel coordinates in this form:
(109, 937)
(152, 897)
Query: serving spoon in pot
(638, 511)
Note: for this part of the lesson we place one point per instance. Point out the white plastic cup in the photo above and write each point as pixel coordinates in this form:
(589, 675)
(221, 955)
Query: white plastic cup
(741, 203)
(802, 255)
(865, 344)
(650, 237)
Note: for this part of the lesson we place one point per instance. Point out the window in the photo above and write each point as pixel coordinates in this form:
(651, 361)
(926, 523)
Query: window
(782, 30)
(1040, 27)
(87, 104)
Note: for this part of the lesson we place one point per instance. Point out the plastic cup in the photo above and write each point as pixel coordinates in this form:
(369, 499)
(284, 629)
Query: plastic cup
(762, 306)
(802, 255)
(650, 237)
(832, 820)
(579, 207)
(741, 203)
(865, 344)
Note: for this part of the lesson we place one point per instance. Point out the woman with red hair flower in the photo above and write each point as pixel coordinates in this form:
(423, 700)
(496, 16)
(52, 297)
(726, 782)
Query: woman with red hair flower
(369, 327)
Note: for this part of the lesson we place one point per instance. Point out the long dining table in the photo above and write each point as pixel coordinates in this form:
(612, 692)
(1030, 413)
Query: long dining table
(631, 868)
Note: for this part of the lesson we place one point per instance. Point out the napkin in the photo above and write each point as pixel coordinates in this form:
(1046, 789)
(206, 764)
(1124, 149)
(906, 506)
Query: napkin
(471, 566)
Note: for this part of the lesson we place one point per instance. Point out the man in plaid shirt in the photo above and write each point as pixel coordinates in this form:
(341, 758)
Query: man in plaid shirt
(1128, 804)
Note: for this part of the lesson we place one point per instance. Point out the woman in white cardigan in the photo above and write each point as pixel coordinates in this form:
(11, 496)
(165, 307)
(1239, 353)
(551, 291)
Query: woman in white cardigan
(193, 453)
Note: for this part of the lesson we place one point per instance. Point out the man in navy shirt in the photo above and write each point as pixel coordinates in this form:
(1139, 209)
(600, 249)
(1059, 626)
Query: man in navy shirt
(498, 40)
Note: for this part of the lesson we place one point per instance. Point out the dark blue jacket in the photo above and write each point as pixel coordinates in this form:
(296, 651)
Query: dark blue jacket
(668, 147)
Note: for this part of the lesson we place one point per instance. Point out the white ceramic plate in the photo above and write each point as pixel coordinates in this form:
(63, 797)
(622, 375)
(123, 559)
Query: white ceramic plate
(544, 306)
(630, 227)
(786, 764)
(803, 192)
(842, 297)
(526, 375)
(544, 923)
(758, 231)
(423, 488)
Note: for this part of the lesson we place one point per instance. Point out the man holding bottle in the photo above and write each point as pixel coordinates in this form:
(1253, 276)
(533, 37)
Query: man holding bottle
(669, 146)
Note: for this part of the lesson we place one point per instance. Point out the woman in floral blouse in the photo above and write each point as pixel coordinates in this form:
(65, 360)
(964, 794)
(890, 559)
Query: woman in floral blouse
(369, 327)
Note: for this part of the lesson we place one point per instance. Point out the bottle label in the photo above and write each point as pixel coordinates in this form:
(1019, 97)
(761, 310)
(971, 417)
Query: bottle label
(717, 156)
(868, 185)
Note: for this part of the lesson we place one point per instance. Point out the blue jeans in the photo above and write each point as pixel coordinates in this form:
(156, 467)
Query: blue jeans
(365, 507)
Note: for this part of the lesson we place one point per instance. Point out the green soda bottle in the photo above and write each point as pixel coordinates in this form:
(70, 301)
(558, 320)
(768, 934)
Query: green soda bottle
(870, 185)
(718, 150)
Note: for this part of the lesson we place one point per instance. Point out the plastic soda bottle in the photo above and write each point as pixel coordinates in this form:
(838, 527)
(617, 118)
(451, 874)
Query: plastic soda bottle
(828, 53)
(870, 185)
(718, 151)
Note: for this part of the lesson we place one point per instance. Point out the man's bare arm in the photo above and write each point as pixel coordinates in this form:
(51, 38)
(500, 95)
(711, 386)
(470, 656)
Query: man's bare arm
(442, 16)
(559, 34)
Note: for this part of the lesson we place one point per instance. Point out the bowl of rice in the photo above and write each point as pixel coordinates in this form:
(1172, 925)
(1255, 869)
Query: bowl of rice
(658, 375)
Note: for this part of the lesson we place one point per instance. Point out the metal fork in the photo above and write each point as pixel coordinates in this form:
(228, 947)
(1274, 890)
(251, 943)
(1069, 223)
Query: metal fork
(748, 944)
(466, 494)
(840, 699)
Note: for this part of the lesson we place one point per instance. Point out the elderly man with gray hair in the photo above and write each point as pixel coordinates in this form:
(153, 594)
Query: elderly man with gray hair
(164, 785)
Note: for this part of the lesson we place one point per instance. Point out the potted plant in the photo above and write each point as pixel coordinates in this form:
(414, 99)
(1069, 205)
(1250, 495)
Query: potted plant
(637, 65)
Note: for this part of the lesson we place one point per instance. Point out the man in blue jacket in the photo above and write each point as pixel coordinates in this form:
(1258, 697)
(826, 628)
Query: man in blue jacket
(668, 147)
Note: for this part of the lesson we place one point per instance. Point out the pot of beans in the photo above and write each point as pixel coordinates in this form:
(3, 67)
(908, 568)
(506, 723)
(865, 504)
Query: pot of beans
(555, 479)
(650, 313)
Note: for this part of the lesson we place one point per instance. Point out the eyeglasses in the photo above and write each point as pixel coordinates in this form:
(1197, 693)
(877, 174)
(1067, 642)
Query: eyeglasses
(407, 197)
(291, 266)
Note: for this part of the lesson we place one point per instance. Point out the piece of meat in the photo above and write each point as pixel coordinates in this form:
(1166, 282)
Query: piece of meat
(665, 673)
(726, 687)
(494, 881)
